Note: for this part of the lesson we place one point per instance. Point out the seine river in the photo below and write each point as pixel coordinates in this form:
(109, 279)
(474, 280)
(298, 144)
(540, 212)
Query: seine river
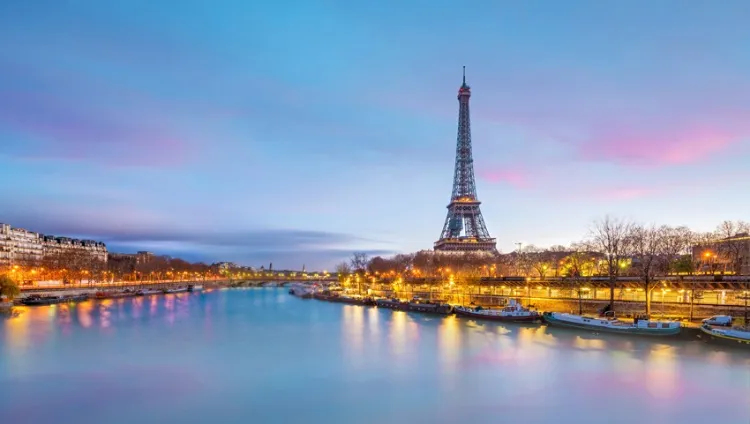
(263, 356)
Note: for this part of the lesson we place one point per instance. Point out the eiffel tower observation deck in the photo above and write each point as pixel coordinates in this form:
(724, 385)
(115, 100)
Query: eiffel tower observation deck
(464, 229)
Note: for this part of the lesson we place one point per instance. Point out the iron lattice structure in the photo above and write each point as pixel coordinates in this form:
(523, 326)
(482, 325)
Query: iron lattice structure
(464, 229)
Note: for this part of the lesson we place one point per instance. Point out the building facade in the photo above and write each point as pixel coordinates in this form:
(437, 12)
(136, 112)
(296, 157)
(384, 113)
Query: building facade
(731, 255)
(21, 247)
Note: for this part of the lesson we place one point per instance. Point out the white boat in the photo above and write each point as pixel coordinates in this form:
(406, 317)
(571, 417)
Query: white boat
(642, 325)
(733, 336)
(513, 312)
(146, 292)
(195, 287)
(176, 290)
(301, 290)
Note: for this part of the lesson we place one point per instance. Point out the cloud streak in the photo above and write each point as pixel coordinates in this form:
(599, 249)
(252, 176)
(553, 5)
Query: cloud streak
(99, 126)
(512, 177)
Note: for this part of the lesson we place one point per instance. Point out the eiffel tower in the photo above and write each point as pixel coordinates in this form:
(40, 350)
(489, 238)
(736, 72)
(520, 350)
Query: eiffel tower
(464, 229)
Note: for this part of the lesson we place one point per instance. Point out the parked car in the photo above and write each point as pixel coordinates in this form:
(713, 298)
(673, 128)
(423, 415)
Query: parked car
(723, 320)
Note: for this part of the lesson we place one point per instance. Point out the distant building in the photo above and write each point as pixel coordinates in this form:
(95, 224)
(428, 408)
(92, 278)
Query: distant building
(730, 254)
(131, 259)
(226, 266)
(20, 246)
(143, 257)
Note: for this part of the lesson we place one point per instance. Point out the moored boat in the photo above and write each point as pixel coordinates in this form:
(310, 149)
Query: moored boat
(302, 291)
(513, 312)
(736, 336)
(352, 300)
(39, 300)
(429, 307)
(115, 294)
(194, 287)
(146, 292)
(36, 300)
(392, 304)
(175, 290)
(323, 296)
(642, 325)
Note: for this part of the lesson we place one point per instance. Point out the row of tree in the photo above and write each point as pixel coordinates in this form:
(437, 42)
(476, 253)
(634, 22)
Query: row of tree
(75, 266)
(614, 247)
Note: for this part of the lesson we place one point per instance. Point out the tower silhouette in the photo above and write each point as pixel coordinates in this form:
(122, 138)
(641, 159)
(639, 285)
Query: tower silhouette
(464, 229)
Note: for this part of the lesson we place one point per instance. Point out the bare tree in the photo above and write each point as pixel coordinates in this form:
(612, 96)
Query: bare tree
(359, 262)
(343, 270)
(557, 254)
(646, 244)
(425, 263)
(676, 244)
(538, 260)
(402, 263)
(523, 260)
(379, 265)
(610, 236)
(729, 245)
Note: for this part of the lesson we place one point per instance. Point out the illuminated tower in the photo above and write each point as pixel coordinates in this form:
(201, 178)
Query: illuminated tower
(464, 229)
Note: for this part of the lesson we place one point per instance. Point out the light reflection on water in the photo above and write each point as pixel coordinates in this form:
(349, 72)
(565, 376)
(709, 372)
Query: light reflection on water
(261, 355)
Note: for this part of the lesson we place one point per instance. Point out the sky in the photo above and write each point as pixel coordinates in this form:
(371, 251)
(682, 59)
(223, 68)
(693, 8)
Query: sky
(297, 132)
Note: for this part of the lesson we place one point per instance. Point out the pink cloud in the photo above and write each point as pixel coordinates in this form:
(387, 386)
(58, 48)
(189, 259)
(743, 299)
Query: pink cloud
(512, 177)
(53, 127)
(622, 193)
(683, 144)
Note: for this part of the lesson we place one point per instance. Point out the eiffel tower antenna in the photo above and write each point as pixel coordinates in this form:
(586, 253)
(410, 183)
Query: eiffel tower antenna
(464, 229)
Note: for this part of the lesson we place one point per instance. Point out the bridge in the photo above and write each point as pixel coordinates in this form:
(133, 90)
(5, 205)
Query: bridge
(282, 276)
(50, 286)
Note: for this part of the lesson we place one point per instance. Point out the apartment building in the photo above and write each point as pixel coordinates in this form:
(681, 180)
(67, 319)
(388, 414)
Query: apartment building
(21, 246)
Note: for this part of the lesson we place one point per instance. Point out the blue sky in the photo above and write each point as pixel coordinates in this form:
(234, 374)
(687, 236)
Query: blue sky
(297, 132)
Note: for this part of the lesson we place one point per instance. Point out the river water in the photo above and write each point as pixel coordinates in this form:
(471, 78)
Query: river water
(264, 356)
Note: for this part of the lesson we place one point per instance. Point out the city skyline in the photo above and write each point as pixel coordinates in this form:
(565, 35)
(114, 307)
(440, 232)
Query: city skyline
(290, 134)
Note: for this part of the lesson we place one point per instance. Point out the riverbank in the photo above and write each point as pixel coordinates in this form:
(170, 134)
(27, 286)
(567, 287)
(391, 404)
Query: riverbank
(65, 291)
(683, 311)
(55, 296)
(626, 308)
(677, 328)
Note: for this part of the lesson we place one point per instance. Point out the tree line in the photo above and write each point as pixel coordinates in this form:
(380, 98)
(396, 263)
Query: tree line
(75, 266)
(613, 247)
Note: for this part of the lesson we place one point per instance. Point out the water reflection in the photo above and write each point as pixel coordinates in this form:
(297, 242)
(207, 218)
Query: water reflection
(661, 377)
(136, 307)
(229, 354)
(16, 330)
(104, 313)
(353, 330)
(397, 335)
(31, 326)
(153, 305)
(588, 343)
(449, 343)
